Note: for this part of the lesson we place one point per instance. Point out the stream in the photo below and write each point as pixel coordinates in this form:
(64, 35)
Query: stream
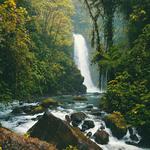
(21, 123)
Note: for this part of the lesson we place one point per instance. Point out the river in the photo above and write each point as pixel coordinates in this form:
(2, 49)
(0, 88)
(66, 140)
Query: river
(21, 123)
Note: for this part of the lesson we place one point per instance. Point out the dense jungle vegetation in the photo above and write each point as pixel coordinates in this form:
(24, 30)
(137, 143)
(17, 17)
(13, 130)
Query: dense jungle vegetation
(128, 65)
(35, 49)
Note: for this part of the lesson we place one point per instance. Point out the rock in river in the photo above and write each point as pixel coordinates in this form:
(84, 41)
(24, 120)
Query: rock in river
(49, 102)
(101, 137)
(80, 98)
(117, 124)
(53, 130)
(77, 118)
(88, 124)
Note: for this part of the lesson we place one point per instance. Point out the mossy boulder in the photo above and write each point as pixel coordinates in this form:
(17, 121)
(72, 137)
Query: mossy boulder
(11, 141)
(49, 102)
(38, 109)
(54, 130)
(79, 98)
(101, 137)
(117, 124)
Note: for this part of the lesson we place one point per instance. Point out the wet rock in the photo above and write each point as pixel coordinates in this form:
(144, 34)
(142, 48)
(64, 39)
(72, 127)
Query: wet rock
(102, 127)
(75, 124)
(12, 141)
(23, 109)
(101, 137)
(55, 130)
(17, 110)
(89, 107)
(134, 137)
(117, 124)
(96, 112)
(21, 103)
(68, 119)
(78, 117)
(38, 109)
(49, 102)
(80, 98)
(130, 130)
(84, 128)
(89, 134)
(88, 124)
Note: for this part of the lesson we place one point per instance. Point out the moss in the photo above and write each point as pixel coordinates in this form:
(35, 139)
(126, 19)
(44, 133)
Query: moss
(70, 147)
(38, 109)
(117, 124)
(118, 119)
(27, 135)
(48, 102)
(80, 98)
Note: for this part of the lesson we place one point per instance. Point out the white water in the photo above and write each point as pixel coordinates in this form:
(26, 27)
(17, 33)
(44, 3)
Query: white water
(81, 59)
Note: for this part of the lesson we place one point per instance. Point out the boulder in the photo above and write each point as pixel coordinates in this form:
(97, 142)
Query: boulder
(117, 124)
(88, 124)
(101, 137)
(133, 135)
(53, 130)
(144, 132)
(77, 118)
(17, 110)
(75, 124)
(84, 128)
(49, 102)
(12, 141)
(96, 112)
(68, 119)
(38, 109)
(23, 109)
(79, 98)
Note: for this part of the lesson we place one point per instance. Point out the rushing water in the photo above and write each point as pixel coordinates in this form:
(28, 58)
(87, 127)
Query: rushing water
(22, 122)
(81, 59)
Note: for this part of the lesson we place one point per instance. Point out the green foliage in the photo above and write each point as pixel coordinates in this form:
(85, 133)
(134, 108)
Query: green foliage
(118, 119)
(70, 147)
(128, 92)
(35, 47)
(137, 13)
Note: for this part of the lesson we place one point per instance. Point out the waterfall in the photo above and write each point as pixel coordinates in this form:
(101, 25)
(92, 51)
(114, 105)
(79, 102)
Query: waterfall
(82, 61)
